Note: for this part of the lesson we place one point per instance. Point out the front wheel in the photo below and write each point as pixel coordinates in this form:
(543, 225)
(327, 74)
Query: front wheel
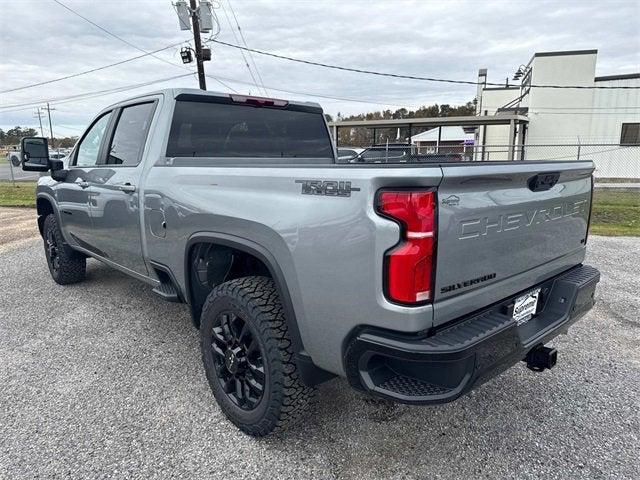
(248, 357)
(65, 264)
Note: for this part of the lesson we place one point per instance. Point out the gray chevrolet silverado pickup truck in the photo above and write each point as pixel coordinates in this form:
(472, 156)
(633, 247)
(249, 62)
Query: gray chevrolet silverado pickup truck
(415, 281)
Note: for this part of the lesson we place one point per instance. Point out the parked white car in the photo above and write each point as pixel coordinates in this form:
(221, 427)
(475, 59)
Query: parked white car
(14, 158)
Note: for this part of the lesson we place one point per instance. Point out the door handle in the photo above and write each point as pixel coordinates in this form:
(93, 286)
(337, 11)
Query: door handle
(83, 184)
(127, 188)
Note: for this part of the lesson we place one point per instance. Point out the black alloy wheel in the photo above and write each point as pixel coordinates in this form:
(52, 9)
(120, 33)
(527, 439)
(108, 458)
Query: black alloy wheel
(65, 264)
(51, 249)
(249, 357)
(238, 360)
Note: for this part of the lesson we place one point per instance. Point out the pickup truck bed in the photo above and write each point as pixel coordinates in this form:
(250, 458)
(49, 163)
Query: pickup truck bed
(414, 281)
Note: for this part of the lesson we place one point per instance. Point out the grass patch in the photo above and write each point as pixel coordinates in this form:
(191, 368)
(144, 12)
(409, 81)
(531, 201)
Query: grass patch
(23, 194)
(616, 180)
(616, 212)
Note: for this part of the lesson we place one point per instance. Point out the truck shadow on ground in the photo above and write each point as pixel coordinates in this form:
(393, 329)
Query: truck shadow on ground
(346, 435)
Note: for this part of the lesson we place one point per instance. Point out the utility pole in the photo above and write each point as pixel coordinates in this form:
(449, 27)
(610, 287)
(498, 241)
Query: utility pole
(50, 127)
(198, 43)
(39, 113)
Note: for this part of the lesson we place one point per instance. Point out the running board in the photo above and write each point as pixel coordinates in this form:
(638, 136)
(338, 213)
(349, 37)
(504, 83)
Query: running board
(166, 289)
(167, 292)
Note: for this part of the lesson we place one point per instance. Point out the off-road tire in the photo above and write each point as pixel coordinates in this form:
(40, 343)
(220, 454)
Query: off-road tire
(285, 397)
(70, 266)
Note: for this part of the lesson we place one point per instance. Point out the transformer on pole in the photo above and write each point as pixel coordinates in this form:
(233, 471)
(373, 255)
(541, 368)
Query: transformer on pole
(200, 18)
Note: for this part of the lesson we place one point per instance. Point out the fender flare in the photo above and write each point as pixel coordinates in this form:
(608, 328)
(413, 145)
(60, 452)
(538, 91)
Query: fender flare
(310, 373)
(54, 207)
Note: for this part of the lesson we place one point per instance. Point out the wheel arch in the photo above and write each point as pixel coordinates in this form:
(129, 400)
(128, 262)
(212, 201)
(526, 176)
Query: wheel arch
(310, 373)
(45, 205)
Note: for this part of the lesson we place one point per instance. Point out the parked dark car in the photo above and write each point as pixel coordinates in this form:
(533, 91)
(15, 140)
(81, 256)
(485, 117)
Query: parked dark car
(401, 153)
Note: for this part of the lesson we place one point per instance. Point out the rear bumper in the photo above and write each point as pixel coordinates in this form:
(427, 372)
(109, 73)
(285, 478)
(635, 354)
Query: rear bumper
(420, 369)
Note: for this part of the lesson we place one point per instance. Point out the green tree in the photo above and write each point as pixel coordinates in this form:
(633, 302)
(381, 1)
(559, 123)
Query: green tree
(363, 137)
(65, 142)
(15, 134)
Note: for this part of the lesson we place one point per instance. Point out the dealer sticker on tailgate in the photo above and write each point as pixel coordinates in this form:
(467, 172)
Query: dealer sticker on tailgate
(525, 306)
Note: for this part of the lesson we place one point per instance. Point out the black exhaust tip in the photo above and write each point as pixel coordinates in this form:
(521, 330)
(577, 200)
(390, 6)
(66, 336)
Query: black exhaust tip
(541, 358)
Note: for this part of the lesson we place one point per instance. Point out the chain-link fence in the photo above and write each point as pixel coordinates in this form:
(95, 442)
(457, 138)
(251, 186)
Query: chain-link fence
(611, 160)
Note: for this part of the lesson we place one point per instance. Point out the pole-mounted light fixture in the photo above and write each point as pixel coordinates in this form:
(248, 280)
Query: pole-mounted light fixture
(186, 55)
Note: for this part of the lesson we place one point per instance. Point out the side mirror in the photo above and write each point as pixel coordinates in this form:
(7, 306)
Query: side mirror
(35, 154)
(58, 172)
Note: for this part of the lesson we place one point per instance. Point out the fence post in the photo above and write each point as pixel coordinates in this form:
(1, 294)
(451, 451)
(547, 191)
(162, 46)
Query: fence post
(578, 148)
(512, 134)
(13, 180)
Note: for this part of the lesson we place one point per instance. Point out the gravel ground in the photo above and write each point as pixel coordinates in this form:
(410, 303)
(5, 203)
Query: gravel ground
(18, 224)
(103, 380)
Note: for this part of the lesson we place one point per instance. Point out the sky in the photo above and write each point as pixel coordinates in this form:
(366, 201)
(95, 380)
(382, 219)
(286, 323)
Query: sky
(40, 40)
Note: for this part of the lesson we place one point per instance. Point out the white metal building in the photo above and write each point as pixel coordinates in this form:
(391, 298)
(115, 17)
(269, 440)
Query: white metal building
(602, 125)
(451, 139)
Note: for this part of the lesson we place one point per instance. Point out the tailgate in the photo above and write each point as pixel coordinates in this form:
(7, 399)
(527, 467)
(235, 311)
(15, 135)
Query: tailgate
(497, 222)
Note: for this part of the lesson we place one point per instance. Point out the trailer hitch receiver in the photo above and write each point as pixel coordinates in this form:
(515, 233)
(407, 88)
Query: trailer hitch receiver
(541, 358)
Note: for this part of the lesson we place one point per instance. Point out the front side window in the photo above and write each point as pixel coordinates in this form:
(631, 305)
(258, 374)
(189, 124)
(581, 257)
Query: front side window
(89, 147)
(630, 134)
(130, 135)
(203, 129)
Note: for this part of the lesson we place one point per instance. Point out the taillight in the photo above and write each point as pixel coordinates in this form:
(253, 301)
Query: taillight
(409, 265)
(259, 101)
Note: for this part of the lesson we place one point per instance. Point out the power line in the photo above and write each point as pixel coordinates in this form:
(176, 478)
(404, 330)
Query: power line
(108, 32)
(584, 113)
(70, 128)
(46, 82)
(413, 77)
(244, 58)
(566, 108)
(88, 95)
(319, 95)
(244, 41)
(99, 93)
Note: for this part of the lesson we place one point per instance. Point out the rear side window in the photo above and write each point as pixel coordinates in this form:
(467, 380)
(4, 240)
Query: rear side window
(202, 129)
(130, 134)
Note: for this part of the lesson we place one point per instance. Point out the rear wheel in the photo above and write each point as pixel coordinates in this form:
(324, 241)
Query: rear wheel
(248, 357)
(65, 264)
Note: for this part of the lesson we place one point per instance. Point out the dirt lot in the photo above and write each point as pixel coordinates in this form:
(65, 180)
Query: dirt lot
(104, 380)
(16, 226)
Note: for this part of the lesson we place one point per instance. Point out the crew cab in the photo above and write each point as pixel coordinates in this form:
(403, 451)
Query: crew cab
(415, 281)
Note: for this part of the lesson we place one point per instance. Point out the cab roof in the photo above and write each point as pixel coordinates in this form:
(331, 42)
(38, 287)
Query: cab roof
(174, 92)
